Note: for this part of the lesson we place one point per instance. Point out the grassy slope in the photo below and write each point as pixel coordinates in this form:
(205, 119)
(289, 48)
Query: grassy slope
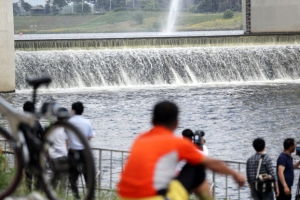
(123, 22)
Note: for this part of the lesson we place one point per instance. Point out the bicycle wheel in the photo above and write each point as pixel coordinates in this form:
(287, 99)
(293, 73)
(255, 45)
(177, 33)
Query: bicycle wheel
(67, 173)
(10, 164)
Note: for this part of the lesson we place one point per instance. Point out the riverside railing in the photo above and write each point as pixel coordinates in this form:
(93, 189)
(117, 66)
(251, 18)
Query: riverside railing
(110, 162)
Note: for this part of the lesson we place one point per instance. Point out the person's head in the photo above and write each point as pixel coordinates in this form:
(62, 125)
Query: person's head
(165, 113)
(77, 108)
(259, 144)
(62, 114)
(28, 106)
(188, 133)
(289, 145)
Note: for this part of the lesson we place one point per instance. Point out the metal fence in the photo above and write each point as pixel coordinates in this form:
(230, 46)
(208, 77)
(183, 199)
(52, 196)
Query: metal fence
(109, 165)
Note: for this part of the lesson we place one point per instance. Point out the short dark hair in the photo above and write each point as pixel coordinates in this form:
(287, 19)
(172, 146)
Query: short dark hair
(288, 142)
(259, 144)
(62, 114)
(188, 133)
(28, 106)
(78, 108)
(165, 113)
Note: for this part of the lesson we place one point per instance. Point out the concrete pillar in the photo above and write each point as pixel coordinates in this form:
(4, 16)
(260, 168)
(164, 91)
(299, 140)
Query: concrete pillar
(7, 51)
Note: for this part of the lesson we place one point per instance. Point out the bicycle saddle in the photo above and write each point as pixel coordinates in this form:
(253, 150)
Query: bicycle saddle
(36, 82)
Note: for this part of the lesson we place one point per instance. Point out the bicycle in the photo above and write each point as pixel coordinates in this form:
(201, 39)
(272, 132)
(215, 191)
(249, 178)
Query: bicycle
(16, 155)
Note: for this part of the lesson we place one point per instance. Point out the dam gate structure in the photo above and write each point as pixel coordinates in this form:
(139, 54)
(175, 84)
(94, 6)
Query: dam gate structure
(7, 58)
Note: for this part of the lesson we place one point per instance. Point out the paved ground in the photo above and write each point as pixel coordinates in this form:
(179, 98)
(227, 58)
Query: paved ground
(32, 196)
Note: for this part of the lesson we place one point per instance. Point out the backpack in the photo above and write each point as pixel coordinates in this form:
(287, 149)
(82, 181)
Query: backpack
(264, 182)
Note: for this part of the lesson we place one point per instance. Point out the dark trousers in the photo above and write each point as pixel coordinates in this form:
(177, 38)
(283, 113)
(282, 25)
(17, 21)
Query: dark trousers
(191, 176)
(77, 167)
(282, 195)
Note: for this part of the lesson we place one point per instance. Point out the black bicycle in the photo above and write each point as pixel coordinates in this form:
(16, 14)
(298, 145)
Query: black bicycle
(21, 150)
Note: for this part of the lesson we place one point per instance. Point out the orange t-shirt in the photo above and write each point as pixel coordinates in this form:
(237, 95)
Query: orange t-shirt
(151, 164)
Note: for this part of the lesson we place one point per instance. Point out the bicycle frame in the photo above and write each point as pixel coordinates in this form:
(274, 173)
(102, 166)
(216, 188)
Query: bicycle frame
(15, 119)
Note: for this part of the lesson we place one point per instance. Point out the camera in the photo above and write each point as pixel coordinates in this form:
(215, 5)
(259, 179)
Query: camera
(197, 139)
(298, 148)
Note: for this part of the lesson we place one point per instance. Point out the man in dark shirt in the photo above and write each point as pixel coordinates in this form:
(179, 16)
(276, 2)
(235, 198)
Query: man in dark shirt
(285, 169)
(266, 168)
(29, 107)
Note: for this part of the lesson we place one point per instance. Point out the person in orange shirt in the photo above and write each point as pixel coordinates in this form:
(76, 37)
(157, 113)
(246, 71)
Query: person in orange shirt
(149, 172)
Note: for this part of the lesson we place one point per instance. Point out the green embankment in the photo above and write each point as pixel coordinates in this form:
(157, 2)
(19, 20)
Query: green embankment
(124, 22)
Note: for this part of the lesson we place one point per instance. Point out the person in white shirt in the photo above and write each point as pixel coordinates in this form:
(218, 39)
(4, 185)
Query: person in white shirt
(58, 151)
(75, 154)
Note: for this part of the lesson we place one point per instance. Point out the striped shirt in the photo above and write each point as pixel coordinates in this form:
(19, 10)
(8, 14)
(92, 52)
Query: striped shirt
(266, 167)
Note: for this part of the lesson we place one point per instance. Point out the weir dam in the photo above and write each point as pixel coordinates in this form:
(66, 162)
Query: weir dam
(82, 63)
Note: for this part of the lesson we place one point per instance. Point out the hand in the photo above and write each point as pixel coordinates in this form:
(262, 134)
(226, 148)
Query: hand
(287, 190)
(239, 179)
(276, 192)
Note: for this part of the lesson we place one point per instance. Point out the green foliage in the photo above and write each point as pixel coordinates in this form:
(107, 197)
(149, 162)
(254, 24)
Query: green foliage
(228, 14)
(86, 8)
(47, 9)
(138, 17)
(26, 6)
(123, 22)
(155, 25)
(59, 3)
(54, 10)
(5, 172)
(119, 9)
(16, 9)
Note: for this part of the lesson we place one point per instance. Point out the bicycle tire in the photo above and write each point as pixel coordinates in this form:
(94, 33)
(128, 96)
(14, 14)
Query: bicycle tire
(53, 169)
(13, 165)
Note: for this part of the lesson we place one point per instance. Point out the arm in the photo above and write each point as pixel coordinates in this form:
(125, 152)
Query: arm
(296, 165)
(221, 168)
(282, 179)
(271, 171)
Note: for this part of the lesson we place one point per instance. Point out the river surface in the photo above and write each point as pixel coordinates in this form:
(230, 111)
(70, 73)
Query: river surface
(231, 115)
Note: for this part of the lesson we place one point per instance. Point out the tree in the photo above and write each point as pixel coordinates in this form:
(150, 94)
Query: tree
(59, 3)
(47, 9)
(26, 6)
(54, 9)
(228, 14)
(85, 9)
(16, 9)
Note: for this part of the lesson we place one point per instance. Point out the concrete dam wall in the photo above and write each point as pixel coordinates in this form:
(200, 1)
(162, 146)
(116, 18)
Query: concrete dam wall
(271, 16)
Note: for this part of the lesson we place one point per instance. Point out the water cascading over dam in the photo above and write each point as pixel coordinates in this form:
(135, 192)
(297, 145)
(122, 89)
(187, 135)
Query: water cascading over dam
(159, 66)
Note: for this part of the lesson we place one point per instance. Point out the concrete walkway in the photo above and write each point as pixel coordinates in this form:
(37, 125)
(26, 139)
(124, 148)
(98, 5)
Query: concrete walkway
(32, 196)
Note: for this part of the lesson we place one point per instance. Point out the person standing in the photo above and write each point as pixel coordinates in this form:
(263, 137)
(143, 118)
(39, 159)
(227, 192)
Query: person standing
(285, 169)
(75, 154)
(28, 106)
(149, 169)
(266, 168)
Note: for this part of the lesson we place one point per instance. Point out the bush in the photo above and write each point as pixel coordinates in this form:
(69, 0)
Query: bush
(228, 14)
(119, 9)
(138, 17)
(155, 25)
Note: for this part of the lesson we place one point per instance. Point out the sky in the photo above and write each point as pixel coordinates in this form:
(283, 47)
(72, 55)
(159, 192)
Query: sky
(33, 2)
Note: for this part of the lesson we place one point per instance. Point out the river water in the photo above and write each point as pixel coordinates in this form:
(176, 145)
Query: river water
(231, 115)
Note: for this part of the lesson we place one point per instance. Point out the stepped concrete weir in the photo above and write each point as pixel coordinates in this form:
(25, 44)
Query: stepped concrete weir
(7, 58)
(156, 42)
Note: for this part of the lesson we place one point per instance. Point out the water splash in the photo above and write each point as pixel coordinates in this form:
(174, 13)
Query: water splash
(163, 66)
(172, 15)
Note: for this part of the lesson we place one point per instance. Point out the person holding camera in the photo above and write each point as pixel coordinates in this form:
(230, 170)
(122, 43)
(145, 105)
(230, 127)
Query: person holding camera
(266, 167)
(285, 169)
(149, 172)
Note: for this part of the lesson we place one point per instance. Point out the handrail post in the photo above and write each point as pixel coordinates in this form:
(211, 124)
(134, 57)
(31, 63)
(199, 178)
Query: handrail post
(214, 186)
(110, 184)
(239, 191)
(100, 167)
